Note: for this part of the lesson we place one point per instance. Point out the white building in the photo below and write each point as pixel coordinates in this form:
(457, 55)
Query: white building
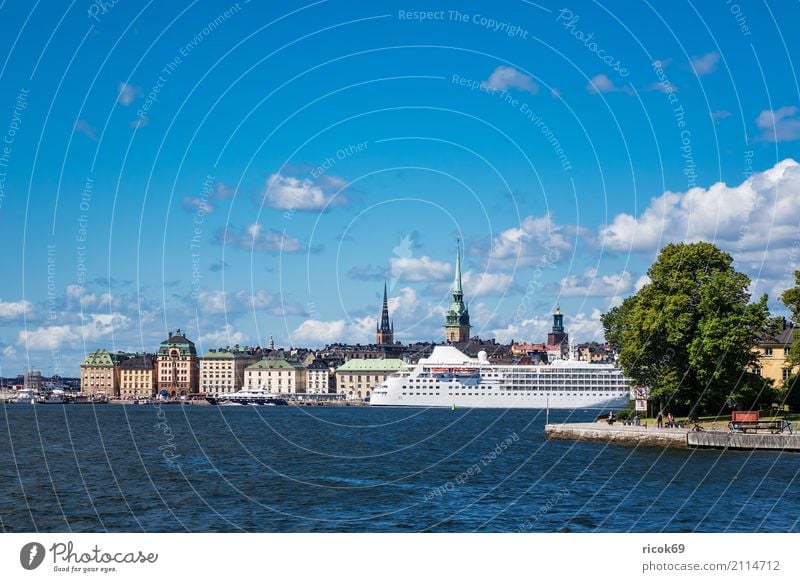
(222, 370)
(317, 377)
(277, 376)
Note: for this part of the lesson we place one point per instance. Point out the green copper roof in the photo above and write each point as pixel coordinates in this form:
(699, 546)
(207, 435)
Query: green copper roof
(227, 355)
(100, 358)
(177, 340)
(271, 365)
(457, 313)
(371, 365)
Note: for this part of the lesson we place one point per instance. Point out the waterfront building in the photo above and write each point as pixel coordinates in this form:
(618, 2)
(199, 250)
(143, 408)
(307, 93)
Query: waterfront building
(276, 375)
(413, 352)
(773, 354)
(137, 377)
(32, 380)
(178, 366)
(222, 370)
(317, 377)
(529, 353)
(594, 352)
(384, 329)
(456, 322)
(345, 352)
(100, 373)
(356, 378)
(496, 353)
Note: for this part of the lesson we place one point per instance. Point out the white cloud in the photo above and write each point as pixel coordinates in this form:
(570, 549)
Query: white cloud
(47, 338)
(223, 337)
(780, 125)
(405, 304)
(215, 302)
(602, 84)
(591, 284)
(486, 283)
(80, 299)
(583, 328)
(718, 116)
(255, 237)
(194, 203)
(290, 193)
(101, 325)
(315, 332)
(503, 78)
(86, 128)
(663, 87)
(128, 93)
(762, 212)
(11, 310)
(705, 64)
(419, 269)
(641, 282)
(9, 352)
(95, 327)
(537, 241)
(223, 191)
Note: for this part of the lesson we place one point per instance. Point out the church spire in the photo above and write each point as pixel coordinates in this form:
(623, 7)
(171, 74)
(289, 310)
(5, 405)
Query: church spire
(385, 328)
(457, 281)
(456, 321)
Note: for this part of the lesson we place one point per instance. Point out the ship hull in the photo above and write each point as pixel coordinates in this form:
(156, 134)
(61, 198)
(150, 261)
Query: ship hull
(496, 400)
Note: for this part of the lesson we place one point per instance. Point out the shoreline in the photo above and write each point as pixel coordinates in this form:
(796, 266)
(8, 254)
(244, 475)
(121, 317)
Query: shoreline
(684, 438)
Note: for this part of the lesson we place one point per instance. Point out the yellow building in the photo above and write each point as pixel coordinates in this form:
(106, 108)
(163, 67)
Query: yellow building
(773, 351)
(100, 373)
(356, 378)
(137, 377)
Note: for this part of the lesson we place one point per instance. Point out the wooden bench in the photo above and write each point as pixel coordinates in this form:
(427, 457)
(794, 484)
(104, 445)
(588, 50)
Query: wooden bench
(754, 426)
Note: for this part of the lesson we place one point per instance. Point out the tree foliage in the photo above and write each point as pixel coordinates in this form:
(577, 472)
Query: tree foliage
(689, 333)
(791, 298)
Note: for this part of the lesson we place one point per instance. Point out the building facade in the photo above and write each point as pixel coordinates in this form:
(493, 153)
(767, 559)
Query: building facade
(178, 366)
(773, 354)
(356, 378)
(456, 322)
(100, 373)
(279, 376)
(317, 377)
(32, 380)
(137, 377)
(222, 370)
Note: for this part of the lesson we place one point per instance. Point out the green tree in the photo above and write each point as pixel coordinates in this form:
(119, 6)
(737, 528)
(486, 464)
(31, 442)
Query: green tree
(791, 299)
(689, 333)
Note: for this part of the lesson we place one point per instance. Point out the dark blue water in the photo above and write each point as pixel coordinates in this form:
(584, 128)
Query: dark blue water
(286, 469)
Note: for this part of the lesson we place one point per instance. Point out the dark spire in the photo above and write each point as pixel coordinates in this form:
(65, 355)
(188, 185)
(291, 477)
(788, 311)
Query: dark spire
(385, 329)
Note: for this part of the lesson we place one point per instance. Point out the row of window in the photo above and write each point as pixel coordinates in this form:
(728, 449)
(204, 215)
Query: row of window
(495, 394)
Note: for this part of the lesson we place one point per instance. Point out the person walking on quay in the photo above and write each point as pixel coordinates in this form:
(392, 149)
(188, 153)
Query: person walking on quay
(660, 420)
(670, 423)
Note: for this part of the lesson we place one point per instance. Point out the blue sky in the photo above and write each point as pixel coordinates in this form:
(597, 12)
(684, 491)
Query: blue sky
(243, 171)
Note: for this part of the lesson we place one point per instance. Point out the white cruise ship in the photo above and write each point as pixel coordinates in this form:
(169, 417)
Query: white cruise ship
(451, 378)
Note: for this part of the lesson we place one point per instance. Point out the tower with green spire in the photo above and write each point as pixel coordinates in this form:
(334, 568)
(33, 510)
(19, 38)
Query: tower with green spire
(456, 322)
